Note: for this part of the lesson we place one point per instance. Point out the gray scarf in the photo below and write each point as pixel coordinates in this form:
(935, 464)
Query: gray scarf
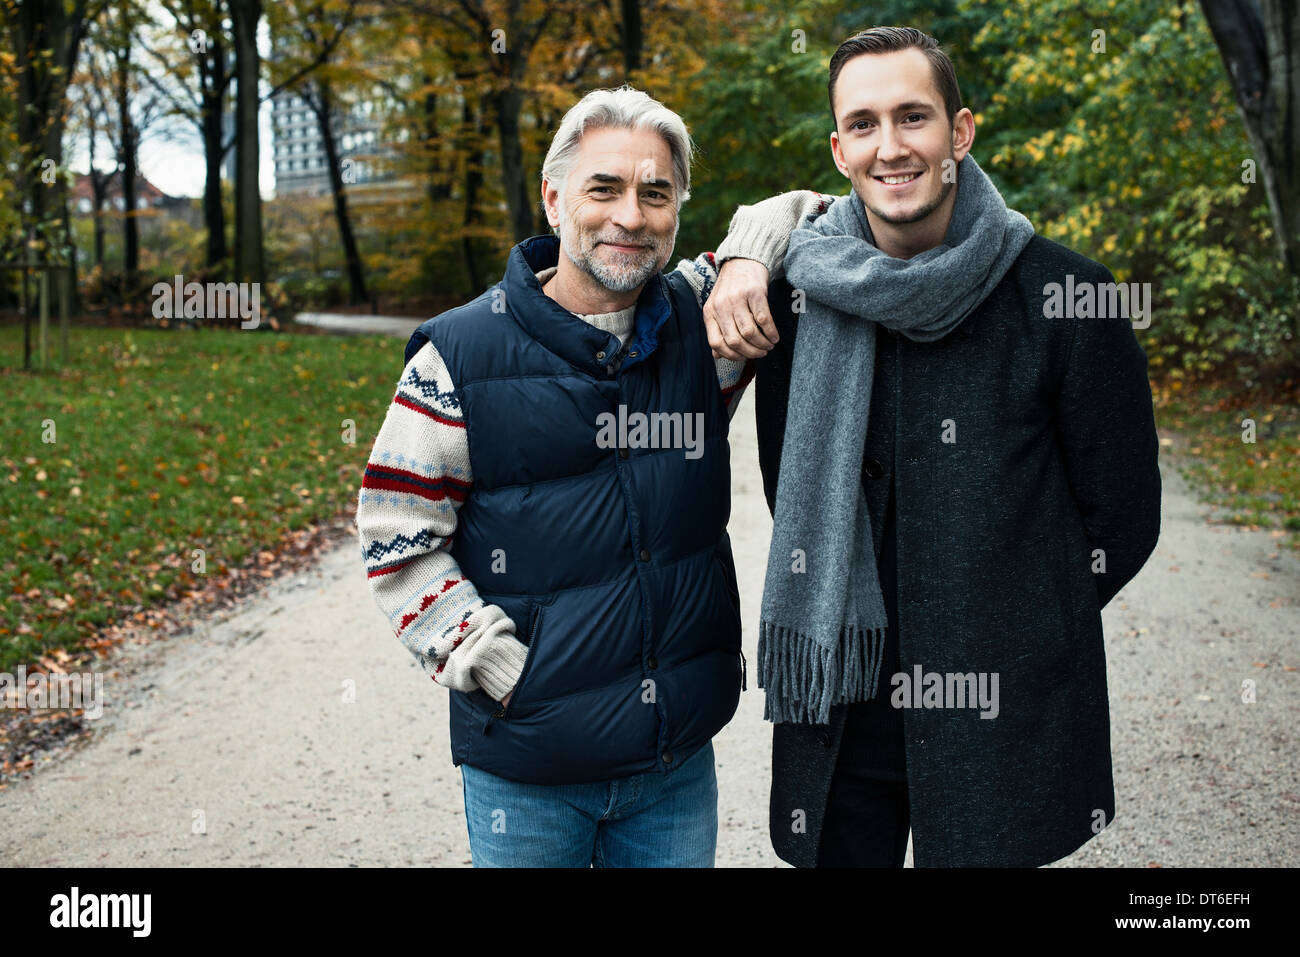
(823, 618)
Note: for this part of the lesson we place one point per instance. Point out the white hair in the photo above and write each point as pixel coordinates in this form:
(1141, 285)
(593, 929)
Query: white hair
(623, 108)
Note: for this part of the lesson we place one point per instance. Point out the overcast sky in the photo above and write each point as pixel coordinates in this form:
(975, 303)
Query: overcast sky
(172, 158)
(175, 165)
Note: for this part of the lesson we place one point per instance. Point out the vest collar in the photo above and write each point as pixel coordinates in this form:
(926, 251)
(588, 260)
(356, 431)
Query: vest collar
(563, 333)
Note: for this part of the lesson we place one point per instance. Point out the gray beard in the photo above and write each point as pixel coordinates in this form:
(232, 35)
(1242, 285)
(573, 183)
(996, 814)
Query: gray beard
(615, 279)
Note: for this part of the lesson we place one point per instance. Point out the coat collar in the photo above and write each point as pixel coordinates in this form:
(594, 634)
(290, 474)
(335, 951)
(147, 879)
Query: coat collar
(563, 333)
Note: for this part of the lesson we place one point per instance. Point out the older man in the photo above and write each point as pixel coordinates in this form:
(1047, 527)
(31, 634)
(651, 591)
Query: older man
(543, 517)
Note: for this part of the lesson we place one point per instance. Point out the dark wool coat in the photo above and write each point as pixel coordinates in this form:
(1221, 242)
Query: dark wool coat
(1048, 476)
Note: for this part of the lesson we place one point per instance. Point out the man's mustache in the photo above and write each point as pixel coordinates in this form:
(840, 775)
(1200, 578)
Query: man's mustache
(624, 242)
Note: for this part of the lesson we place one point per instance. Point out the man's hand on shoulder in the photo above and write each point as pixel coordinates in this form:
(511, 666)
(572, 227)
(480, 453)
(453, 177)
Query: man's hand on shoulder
(736, 314)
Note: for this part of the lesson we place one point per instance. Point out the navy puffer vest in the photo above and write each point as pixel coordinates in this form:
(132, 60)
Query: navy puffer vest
(614, 562)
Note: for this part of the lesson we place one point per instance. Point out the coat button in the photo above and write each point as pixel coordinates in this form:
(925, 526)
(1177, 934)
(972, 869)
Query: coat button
(601, 354)
(652, 663)
(824, 738)
(873, 469)
(632, 354)
(645, 555)
(622, 453)
(668, 757)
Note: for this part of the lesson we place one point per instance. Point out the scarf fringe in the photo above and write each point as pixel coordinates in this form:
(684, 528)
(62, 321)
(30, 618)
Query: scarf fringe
(803, 680)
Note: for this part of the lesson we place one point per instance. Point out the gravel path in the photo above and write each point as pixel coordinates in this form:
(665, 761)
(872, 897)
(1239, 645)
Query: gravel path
(298, 731)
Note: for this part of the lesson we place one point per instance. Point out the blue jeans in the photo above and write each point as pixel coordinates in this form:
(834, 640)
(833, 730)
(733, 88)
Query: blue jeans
(646, 820)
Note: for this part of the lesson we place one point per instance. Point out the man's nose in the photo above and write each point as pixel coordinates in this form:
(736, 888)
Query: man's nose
(892, 146)
(627, 214)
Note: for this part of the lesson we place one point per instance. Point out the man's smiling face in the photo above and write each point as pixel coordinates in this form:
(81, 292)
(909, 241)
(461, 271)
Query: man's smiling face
(892, 138)
(618, 215)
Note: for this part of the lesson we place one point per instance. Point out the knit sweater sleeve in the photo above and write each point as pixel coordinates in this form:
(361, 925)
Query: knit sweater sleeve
(760, 232)
(416, 478)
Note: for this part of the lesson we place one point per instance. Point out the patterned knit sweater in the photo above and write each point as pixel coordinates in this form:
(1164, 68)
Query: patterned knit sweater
(418, 475)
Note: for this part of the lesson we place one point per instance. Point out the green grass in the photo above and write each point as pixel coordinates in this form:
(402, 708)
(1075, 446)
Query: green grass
(1252, 484)
(167, 442)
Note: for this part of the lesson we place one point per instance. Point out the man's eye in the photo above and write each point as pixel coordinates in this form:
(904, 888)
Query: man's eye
(859, 123)
(919, 116)
(656, 194)
(596, 189)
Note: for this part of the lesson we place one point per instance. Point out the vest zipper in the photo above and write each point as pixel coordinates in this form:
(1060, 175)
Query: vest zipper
(617, 361)
(501, 711)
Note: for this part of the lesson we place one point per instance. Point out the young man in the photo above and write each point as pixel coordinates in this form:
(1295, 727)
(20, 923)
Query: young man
(960, 482)
(543, 517)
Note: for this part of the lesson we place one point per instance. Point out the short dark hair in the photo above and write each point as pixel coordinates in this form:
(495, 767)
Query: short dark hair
(888, 40)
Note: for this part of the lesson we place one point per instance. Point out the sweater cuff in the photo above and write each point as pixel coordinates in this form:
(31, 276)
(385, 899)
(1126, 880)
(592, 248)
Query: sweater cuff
(750, 239)
(762, 231)
(499, 660)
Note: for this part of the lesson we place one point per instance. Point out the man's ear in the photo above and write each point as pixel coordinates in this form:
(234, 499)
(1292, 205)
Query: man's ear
(837, 155)
(551, 200)
(963, 133)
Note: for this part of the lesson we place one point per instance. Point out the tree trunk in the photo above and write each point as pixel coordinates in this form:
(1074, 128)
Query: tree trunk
(74, 296)
(127, 160)
(98, 189)
(439, 182)
(47, 38)
(633, 37)
(548, 123)
(322, 105)
(472, 124)
(1260, 44)
(509, 103)
(250, 261)
(213, 83)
